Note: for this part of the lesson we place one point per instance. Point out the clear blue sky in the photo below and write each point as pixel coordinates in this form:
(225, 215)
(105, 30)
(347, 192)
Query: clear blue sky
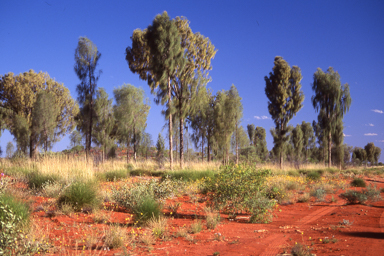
(348, 35)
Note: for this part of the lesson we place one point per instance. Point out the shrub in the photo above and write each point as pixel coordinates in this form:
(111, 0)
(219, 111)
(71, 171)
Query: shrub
(319, 192)
(79, 195)
(314, 176)
(115, 237)
(116, 174)
(158, 226)
(129, 194)
(293, 173)
(304, 198)
(52, 188)
(19, 209)
(196, 227)
(190, 175)
(13, 215)
(300, 250)
(36, 180)
(277, 192)
(355, 197)
(358, 182)
(146, 209)
(238, 187)
(212, 219)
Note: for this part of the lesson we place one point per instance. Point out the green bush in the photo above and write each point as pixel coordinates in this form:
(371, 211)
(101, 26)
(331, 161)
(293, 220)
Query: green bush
(190, 175)
(293, 173)
(116, 175)
(12, 239)
(319, 192)
(79, 195)
(371, 194)
(277, 192)
(145, 209)
(19, 209)
(237, 188)
(129, 194)
(36, 180)
(358, 182)
(314, 176)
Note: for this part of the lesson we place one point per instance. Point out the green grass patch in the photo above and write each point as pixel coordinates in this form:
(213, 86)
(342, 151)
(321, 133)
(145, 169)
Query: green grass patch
(145, 209)
(190, 175)
(144, 172)
(79, 195)
(19, 209)
(358, 182)
(36, 180)
(314, 175)
(114, 175)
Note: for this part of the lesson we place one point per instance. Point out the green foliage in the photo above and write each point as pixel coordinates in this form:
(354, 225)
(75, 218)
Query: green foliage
(332, 100)
(189, 175)
(277, 192)
(36, 180)
(116, 174)
(196, 227)
(131, 111)
(104, 122)
(19, 209)
(10, 149)
(52, 188)
(371, 194)
(314, 176)
(18, 94)
(145, 209)
(129, 195)
(319, 192)
(12, 238)
(358, 182)
(44, 123)
(79, 195)
(240, 187)
(285, 98)
(86, 60)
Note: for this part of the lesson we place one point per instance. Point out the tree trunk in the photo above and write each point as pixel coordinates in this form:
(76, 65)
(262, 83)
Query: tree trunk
(181, 141)
(209, 146)
(134, 144)
(237, 145)
(329, 149)
(32, 146)
(170, 126)
(127, 150)
(202, 148)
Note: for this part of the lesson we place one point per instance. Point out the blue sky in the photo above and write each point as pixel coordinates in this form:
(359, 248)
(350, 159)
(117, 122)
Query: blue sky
(348, 35)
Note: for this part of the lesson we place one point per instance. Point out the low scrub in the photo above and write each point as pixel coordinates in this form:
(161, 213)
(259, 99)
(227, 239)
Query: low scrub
(301, 250)
(241, 188)
(190, 175)
(115, 175)
(145, 209)
(370, 194)
(79, 195)
(314, 175)
(358, 182)
(19, 209)
(36, 180)
(129, 195)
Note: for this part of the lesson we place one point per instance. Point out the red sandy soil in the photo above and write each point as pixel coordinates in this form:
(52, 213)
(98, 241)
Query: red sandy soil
(310, 223)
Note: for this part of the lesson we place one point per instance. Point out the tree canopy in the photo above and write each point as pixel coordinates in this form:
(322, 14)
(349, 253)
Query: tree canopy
(18, 96)
(285, 98)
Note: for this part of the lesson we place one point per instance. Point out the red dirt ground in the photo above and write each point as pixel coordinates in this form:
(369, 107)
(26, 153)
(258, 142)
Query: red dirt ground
(310, 223)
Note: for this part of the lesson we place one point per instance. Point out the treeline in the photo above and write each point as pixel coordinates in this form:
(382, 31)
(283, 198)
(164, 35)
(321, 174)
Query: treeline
(175, 62)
